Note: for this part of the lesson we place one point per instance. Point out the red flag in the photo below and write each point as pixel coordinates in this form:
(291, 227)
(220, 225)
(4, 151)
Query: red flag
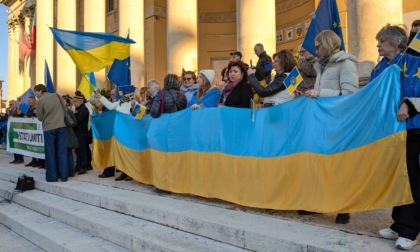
(33, 37)
(25, 46)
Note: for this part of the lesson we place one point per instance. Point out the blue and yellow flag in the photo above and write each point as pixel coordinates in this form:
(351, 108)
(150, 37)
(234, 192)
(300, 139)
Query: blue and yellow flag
(47, 79)
(293, 80)
(92, 51)
(24, 105)
(326, 17)
(325, 155)
(415, 43)
(88, 84)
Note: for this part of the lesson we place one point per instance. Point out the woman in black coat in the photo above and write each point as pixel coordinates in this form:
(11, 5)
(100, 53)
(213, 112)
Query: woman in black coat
(238, 91)
(173, 99)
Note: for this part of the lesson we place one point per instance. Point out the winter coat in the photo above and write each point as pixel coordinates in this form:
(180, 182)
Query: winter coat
(275, 93)
(173, 101)
(189, 91)
(240, 96)
(50, 112)
(339, 77)
(265, 62)
(308, 72)
(208, 100)
(82, 117)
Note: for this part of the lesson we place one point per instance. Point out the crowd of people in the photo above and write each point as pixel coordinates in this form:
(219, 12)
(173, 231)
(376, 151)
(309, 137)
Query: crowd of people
(332, 73)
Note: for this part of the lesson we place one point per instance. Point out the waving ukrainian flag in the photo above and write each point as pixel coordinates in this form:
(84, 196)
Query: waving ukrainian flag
(92, 51)
(88, 84)
(329, 154)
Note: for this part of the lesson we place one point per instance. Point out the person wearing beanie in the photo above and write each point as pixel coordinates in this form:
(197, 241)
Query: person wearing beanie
(81, 129)
(207, 95)
(190, 85)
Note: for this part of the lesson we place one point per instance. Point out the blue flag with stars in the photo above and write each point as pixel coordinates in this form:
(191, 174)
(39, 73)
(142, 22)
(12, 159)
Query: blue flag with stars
(120, 73)
(325, 18)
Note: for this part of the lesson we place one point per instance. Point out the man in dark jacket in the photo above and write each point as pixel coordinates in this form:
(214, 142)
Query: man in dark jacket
(152, 89)
(82, 116)
(14, 111)
(36, 162)
(264, 61)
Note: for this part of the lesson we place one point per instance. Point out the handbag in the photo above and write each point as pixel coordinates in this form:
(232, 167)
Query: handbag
(25, 183)
(68, 119)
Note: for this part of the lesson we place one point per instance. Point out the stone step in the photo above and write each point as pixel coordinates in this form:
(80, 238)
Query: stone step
(50, 234)
(129, 232)
(237, 228)
(12, 242)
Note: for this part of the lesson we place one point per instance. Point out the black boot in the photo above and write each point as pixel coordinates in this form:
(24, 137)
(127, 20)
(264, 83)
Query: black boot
(342, 218)
(121, 177)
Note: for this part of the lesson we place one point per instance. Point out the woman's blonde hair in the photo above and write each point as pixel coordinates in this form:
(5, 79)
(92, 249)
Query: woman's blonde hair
(204, 87)
(329, 40)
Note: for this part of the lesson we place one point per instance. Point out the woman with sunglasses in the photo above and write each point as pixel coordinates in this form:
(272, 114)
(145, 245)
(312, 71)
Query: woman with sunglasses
(337, 72)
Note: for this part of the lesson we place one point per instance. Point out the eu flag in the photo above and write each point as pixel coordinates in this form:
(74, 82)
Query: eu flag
(325, 18)
(293, 80)
(47, 79)
(120, 73)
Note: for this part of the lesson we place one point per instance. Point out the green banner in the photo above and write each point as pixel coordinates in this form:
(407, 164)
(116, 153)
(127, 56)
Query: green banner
(25, 136)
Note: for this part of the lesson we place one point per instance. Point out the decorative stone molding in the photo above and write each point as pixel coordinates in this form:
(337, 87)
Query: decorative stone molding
(12, 22)
(28, 9)
(7, 2)
(156, 11)
(288, 5)
(217, 17)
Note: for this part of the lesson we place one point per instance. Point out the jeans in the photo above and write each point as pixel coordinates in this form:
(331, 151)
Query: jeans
(55, 142)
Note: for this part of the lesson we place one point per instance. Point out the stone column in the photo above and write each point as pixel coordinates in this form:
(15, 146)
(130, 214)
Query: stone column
(132, 18)
(44, 39)
(182, 45)
(66, 69)
(256, 23)
(11, 93)
(18, 79)
(94, 21)
(362, 26)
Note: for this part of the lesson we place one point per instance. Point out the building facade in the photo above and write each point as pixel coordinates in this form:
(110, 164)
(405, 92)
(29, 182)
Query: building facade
(172, 35)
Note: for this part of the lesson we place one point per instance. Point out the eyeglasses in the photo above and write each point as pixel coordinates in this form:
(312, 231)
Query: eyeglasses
(187, 79)
(318, 46)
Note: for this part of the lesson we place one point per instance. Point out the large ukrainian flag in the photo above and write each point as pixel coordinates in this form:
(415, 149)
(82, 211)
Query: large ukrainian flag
(334, 154)
(92, 51)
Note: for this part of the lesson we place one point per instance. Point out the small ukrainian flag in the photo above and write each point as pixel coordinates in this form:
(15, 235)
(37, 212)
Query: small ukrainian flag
(415, 43)
(293, 80)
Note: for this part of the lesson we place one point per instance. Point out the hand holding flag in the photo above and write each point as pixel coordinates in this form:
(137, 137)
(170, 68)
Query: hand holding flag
(293, 80)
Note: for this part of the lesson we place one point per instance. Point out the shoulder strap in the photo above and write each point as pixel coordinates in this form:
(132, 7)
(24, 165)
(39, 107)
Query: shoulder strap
(162, 101)
(59, 100)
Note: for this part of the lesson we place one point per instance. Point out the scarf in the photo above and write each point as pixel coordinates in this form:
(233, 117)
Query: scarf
(228, 89)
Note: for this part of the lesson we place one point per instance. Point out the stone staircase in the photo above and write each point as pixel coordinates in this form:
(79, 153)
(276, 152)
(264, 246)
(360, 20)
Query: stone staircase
(91, 214)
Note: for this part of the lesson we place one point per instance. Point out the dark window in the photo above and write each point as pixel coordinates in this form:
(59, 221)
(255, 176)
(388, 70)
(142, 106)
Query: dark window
(110, 5)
